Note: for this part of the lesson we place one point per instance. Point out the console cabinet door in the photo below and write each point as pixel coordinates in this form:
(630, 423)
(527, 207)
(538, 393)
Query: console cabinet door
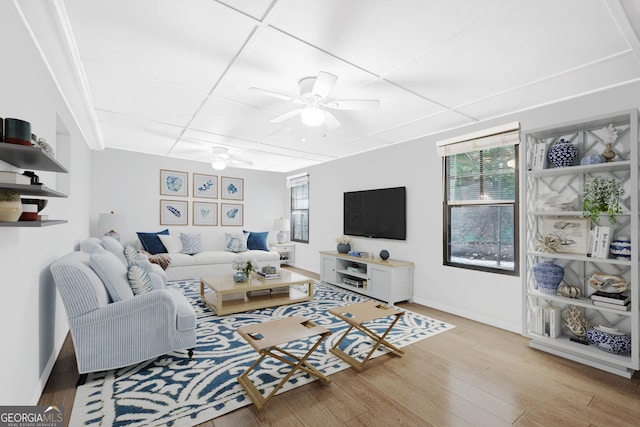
(379, 283)
(328, 269)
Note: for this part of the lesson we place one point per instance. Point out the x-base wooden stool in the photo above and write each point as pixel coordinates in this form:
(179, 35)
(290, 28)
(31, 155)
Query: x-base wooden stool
(267, 336)
(358, 314)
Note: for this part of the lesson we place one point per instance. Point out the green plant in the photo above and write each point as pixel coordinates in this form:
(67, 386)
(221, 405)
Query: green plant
(601, 195)
(9, 196)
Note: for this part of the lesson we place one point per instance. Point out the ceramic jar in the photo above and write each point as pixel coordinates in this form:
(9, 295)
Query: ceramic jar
(621, 248)
(344, 248)
(592, 159)
(10, 206)
(562, 154)
(548, 276)
(239, 276)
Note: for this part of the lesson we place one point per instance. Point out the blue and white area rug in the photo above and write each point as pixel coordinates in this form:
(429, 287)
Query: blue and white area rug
(174, 391)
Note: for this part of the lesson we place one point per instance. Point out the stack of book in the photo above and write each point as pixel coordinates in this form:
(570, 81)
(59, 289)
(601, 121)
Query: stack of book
(268, 275)
(360, 254)
(615, 301)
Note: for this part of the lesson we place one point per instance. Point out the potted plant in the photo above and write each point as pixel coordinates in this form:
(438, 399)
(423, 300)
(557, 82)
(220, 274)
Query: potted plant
(244, 266)
(601, 195)
(344, 244)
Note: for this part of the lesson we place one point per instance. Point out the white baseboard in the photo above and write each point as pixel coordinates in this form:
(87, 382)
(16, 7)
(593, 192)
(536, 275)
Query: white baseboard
(512, 327)
(46, 372)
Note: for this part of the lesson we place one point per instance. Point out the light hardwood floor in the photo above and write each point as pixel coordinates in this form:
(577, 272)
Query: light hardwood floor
(473, 375)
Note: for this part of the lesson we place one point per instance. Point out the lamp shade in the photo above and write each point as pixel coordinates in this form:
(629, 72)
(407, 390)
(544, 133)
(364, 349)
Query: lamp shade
(282, 225)
(110, 223)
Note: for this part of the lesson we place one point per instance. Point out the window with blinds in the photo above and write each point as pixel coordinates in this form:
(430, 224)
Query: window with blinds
(299, 187)
(481, 205)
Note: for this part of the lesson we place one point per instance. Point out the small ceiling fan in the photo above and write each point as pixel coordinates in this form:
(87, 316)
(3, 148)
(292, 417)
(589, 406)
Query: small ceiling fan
(313, 96)
(220, 159)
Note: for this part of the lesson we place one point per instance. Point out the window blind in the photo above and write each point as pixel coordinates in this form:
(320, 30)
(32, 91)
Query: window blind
(503, 135)
(297, 180)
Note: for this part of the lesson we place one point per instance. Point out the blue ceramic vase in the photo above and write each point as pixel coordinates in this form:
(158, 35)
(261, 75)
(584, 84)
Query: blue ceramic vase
(239, 276)
(621, 248)
(344, 248)
(548, 277)
(562, 154)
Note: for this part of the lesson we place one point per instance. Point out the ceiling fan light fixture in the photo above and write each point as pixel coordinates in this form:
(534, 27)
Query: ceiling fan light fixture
(219, 164)
(312, 116)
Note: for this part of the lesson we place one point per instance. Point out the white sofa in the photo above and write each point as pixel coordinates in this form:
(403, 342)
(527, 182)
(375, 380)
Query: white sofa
(212, 258)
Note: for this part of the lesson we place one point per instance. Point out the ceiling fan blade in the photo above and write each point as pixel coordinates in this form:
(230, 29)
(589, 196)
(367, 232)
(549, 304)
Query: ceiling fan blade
(354, 104)
(324, 83)
(238, 162)
(286, 116)
(330, 120)
(276, 95)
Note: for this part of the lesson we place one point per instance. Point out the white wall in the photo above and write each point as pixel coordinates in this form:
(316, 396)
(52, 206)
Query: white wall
(490, 298)
(32, 318)
(129, 183)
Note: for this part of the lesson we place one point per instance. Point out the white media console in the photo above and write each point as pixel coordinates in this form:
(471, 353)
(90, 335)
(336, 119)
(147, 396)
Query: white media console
(389, 280)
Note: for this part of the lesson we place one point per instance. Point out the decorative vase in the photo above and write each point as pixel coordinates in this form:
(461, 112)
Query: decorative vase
(608, 152)
(621, 248)
(548, 276)
(10, 206)
(343, 248)
(563, 154)
(592, 159)
(239, 276)
(384, 254)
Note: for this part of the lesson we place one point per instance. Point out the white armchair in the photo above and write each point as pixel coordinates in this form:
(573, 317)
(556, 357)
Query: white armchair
(110, 334)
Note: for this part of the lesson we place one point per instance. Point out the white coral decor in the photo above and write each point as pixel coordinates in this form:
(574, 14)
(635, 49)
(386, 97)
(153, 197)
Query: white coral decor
(610, 134)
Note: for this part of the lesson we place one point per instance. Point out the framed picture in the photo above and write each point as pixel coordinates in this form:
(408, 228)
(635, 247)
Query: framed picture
(572, 233)
(232, 188)
(205, 213)
(174, 212)
(174, 183)
(231, 214)
(205, 186)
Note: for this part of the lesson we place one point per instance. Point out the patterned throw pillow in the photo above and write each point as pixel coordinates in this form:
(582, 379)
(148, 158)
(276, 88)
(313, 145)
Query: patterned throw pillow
(139, 280)
(131, 255)
(236, 242)
(191, 243)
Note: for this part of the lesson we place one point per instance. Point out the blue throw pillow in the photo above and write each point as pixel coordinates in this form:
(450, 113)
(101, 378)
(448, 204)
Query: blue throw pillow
(257, 241)
(236, 242)
(151, 242)
(191, 243)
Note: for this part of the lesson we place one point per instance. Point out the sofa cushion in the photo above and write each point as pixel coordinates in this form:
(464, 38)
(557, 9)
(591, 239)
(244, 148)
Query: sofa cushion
(213, 240)
(151, 242)
(191, 243)
(113, 274)
(173, 244)
(115, 247)
(139, 280)
(257, 240)
(214, 257)
(181, 260)
(236, 242)
(91, 245)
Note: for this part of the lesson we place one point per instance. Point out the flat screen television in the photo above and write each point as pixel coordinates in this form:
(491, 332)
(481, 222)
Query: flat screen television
(379, 213)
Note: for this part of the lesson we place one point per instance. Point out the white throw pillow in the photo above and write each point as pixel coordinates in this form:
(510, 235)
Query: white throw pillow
(236, 242)
(172, 243)
(113, 275)
(191, 243)
(139, 280)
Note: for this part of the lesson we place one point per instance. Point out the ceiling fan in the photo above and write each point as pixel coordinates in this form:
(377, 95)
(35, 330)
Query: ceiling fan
(220, 159)
(313, 96)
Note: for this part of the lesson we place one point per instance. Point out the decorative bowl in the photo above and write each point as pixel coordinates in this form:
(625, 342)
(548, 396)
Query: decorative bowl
(609, 339)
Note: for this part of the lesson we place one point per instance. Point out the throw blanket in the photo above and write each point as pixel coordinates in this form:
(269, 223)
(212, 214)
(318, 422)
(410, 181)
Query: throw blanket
(162, 260)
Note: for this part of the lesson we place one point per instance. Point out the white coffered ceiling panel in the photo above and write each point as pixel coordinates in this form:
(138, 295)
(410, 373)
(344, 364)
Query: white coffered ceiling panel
(525, 43)
(132, 134)
(602, 74)
(119, 91)
(177, 42)
(173, 78)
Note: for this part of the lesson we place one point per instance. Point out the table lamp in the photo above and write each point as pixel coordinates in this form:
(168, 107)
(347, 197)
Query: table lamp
(282, 225)
(109, 223)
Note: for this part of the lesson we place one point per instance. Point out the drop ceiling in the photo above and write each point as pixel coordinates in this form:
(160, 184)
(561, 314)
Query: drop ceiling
(172, 78)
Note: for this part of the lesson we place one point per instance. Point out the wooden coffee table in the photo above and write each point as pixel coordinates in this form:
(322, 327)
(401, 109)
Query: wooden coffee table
(255, 293)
